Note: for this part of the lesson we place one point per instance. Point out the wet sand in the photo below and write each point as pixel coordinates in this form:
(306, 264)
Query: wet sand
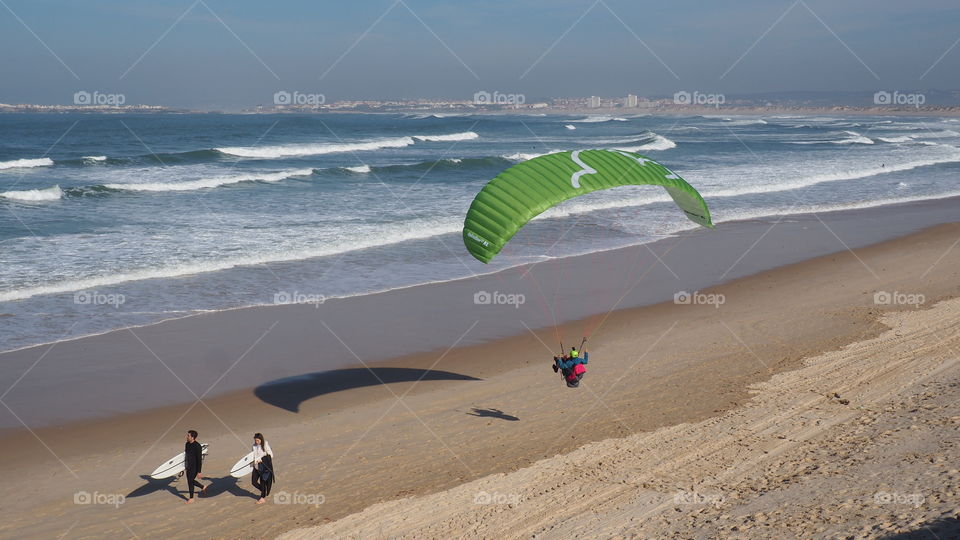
(217, 354)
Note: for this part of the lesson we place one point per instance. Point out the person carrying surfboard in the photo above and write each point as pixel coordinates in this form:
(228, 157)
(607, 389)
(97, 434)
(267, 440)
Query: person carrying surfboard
(263, 476)
(193, 463)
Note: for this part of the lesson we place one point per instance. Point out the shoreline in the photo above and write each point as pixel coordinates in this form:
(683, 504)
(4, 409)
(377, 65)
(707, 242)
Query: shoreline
(201, 312)
(909, 217)
(333, 444)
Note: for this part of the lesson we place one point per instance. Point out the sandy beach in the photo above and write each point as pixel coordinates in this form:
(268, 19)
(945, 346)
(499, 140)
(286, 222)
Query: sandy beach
(425, 270)
(229, 353)
(775, 395)
(858, 443)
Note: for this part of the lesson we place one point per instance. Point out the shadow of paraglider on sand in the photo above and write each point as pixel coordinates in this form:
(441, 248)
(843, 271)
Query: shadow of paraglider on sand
(492, 413)
(290, 392)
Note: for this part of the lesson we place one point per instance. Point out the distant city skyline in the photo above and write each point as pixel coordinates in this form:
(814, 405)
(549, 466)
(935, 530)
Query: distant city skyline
(210, 54)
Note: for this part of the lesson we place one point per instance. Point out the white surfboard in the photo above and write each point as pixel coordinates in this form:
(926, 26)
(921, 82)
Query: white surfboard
(174, 465)
(242, 467)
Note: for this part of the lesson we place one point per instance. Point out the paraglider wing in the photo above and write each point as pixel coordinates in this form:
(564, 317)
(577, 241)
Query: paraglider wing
(527, 189)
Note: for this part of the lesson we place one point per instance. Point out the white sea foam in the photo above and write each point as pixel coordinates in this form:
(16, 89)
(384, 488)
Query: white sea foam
(745, 122)
(94, 158)
(464, 136)
(598, 119)
(434, 115)
(216, 181)
(411, 230)
(292, 150)
(855, 138)
(756, 213)
(308, 149)
(939, 134)
(574, 208)
(659, 142)
(570, 126)
(851, 174)
(852, 138)
(902, 138)
(656, 142)
(362, 169)
(524, 156)
(658, 195)
(626, 139)
(34, 195)
(26, 163)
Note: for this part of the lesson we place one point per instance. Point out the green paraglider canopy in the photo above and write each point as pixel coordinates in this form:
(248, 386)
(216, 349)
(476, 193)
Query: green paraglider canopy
(527, 189)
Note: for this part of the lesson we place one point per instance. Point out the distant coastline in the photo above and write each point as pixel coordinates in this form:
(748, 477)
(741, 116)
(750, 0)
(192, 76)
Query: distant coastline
(106, 109)
(659, 109)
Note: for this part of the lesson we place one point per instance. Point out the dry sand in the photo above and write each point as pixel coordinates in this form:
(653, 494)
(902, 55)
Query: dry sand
(858, 443)
(683, 383)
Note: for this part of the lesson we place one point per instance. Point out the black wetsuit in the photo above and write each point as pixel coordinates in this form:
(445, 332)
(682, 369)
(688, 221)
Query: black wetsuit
(263, 480)
(193, 463)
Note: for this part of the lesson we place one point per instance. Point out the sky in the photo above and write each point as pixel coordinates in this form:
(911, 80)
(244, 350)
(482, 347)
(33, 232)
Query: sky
(231, 54)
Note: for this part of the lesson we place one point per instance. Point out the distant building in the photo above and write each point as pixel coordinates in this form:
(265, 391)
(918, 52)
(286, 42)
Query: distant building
(631, 101)
(594, 102)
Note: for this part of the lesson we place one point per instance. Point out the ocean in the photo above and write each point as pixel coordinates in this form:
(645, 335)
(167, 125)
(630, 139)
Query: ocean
(108, 221)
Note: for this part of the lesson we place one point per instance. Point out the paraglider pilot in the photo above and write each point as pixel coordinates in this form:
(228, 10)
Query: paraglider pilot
(571, 366)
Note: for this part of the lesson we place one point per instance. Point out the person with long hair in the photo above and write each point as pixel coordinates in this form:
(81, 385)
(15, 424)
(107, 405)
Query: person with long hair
(263, 475)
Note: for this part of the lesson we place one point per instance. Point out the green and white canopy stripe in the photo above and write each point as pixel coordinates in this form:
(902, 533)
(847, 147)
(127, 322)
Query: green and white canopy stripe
(527, 189)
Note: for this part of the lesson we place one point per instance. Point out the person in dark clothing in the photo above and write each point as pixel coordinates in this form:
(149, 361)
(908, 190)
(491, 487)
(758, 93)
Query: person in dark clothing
(193, 463)
(263, 477)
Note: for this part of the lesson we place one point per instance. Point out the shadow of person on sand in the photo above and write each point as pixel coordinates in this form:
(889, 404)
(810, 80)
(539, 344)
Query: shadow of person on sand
(227, 484)
(153, 486)
(290, 392)
(492, 413)
(215, 486)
